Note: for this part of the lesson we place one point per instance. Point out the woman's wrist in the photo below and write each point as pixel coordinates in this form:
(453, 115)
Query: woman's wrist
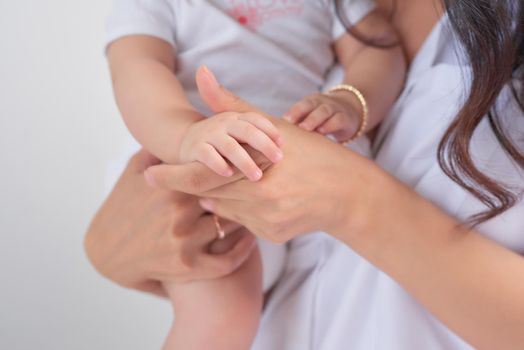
(390, 220)
(356, 198)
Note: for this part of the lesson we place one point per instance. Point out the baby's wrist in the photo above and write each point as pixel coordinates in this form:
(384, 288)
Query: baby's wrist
(349, 101)
(180, 129)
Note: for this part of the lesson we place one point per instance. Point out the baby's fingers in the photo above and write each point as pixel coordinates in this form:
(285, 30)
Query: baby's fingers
(300, 110)
(317, 117)
(208, 155)
(247, 133)
(341, 125)
(230, 149)
(263, 124)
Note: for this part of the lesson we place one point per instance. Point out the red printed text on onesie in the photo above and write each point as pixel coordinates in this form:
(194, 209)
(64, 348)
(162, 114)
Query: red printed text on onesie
(254, 13)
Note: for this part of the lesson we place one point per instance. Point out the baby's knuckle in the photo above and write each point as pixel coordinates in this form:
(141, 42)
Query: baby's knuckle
(310, 103)
(254, 116)
(312, 97)
(230, 146)
(248, 131)
(340, 118)
(225, 116)
(325, 109)
(202, 151)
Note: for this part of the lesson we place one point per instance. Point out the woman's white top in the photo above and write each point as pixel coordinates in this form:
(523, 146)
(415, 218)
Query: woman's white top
(329, 297)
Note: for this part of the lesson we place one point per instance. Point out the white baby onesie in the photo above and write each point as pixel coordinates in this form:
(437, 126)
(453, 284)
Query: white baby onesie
(270, 52)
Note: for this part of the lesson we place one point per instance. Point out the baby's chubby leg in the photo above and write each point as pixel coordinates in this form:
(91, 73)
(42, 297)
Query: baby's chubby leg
(217, 314)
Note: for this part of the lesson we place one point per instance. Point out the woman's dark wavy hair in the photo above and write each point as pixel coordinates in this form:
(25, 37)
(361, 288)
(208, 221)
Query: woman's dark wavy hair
(492, 37)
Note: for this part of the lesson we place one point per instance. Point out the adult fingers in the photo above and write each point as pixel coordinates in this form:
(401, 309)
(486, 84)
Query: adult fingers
(196, 178)
(225, 208)
(206, 231)
(222, 246)
(247, 133)
(140, 161)
(192, 178)
(218, 265)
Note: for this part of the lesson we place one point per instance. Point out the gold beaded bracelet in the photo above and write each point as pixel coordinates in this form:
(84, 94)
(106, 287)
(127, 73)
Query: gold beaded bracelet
(365, 110)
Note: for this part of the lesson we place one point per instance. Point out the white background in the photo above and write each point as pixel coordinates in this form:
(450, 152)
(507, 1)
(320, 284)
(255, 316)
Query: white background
(59, 129)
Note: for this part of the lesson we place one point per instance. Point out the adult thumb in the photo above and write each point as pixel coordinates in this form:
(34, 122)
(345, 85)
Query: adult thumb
(218, 98)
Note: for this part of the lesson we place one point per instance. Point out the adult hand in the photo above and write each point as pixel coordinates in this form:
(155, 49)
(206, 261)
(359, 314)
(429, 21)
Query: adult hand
(300, 194)
(143, 235)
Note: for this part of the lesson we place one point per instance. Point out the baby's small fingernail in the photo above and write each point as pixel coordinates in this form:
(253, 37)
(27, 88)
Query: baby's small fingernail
(287, 117)
(257, 175)
(304, 126)
(228, 173)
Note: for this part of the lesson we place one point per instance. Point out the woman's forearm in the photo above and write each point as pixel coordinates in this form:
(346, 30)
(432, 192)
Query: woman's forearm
(470, 283)
(152, 101)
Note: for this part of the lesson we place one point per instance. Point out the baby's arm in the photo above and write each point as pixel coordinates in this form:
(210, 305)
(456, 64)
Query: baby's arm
(149, 96)
(157, 112)
(378, 73)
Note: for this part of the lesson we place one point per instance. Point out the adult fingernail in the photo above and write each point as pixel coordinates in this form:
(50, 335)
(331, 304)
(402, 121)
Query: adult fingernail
(150, 179)
(209, 75)
(206, 204)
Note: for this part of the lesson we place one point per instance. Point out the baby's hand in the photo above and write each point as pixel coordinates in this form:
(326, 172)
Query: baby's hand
(214, 140)
(327, 114)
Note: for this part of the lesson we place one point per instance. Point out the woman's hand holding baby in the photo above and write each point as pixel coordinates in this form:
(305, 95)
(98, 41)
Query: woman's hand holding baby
(216, 140)
(334, 114)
